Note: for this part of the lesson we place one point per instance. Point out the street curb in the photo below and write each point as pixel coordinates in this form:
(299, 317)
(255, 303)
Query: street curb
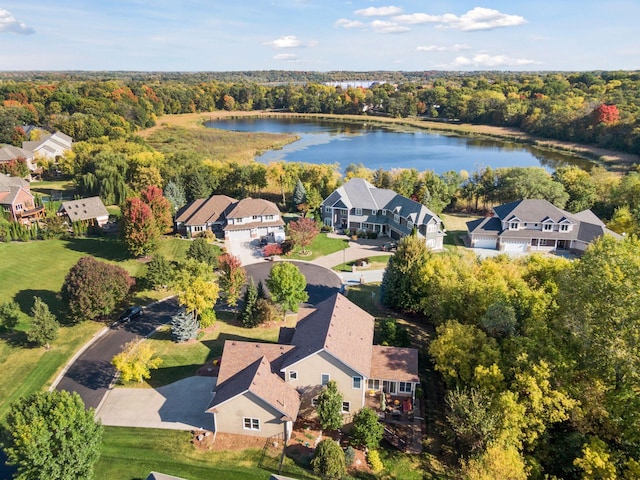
(91, 341)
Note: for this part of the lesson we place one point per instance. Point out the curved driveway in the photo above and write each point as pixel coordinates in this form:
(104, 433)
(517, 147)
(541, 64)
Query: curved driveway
(91, 373)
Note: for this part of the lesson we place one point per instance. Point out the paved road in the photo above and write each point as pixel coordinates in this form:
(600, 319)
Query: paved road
(321, 282)
(91, 373)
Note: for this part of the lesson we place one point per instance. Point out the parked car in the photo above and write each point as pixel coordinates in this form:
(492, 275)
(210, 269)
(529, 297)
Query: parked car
(130, 313)
(388, 246)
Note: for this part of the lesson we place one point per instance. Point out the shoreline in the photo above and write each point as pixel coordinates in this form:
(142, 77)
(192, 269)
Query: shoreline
(610, 159)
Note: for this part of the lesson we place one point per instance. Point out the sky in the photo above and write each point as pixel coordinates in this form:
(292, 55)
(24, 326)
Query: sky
(319, 35)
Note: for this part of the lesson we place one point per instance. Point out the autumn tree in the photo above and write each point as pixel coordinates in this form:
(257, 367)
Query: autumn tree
(136, 361)
(196, 287)
(51, 435)
(329, 406)
(139, 230)
(367, 429)
(606, 114)
(302, 232)
(160, 208)
(287, 285)
(93, 289)
(44, 326)
(232, 278)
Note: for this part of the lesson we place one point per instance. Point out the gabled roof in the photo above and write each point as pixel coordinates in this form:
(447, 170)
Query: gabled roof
(59, 139)
(10, 188)
(237, 355)
(530, 211)
(395, 363)
(258, 380)
(248, 207)
(84, 209)
(203, 211)
(338, 327)
(9, 152)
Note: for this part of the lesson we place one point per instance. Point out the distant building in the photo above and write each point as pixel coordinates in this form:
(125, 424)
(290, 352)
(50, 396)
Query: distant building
(90, 210)
(17, 201)
(10, 153)
(50, 146)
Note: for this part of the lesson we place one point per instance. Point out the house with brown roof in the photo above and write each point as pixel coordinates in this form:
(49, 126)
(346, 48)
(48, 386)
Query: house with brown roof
(262, 388)
(535, 225)
(204, 214)
(17, 201)
(89, 210)
(254, 218)
(9, 153)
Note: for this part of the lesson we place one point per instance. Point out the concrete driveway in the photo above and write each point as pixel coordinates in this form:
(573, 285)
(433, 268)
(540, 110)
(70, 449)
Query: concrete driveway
(178, 406)
(248, 251)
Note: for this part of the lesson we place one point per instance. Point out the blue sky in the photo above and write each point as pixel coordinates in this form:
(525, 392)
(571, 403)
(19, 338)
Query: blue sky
(319, 35)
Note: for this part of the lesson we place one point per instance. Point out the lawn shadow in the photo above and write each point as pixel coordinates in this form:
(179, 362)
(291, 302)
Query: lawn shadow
(164, 376)
(105, 248)
(25, 300)
(15, 338)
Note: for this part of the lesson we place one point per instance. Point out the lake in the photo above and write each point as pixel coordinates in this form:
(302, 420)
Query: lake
(377, 147)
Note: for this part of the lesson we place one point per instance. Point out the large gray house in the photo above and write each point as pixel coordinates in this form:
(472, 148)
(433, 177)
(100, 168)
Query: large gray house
(358, 205)
(535, 225)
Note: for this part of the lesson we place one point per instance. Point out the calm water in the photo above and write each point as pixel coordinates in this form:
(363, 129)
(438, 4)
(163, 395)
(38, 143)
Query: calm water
(376, 147)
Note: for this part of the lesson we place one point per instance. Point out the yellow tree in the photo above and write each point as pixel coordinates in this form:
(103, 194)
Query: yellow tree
(136, 361)
(196, 288)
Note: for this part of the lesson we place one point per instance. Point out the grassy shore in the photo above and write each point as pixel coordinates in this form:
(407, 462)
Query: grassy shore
(610, 158)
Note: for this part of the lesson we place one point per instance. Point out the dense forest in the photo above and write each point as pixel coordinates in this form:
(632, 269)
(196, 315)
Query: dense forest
(599, 108)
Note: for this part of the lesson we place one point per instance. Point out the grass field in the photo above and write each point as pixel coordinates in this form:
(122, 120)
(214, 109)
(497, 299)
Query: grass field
(322, 245)
(456, 226)
(378, 262)
(38, 269)
(132, 453)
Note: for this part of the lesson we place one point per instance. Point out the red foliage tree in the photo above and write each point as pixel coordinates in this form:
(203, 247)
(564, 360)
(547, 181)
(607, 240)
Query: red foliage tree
(606, 114)
(140, 231)
(160, 207)
(232, 278)
(303, 231)
(272, 249)
(93, 289)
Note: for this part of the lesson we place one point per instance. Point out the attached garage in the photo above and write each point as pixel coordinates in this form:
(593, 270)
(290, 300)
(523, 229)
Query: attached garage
(511, 246)
(485, 242)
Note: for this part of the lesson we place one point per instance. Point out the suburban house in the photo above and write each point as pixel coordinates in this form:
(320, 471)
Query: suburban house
(535, 225)
(204, 214)
(238, 219)
(263, 387)
(50, 146)
(89, 210)
(254, 218)
(17, 201)
(9, 153)
(358, 205)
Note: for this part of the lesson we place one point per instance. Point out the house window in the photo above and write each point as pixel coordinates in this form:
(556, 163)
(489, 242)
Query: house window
(373, 384)
(409, 224)
(374, 212)
(346, 407)
(327, 209)
(564, 228)
(388, 386)
(431, 228)
(269, 217)
(238, 220)
(547, 227)
(324, 378)
(396, 218)
(18, 206)
(356, 382)
(358, 211)
(384, 213)
(255, 218)
(405, 387)
(293, 375)
(251, 423)
(514, 226)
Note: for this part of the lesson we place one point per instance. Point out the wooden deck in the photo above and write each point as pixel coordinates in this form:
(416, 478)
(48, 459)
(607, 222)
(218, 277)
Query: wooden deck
(403, 422)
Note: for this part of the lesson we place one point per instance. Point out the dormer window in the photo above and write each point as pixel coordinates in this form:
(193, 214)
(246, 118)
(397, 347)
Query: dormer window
(409, 224)
(396, 218)
(565, 227)
(514, 225)
(547, 227)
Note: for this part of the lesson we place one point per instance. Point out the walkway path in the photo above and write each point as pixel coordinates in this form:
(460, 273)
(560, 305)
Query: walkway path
(363, 248)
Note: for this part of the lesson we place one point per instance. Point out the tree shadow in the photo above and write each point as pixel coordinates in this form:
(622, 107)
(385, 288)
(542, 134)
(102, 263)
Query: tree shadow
(24, 298)
(93, 374)
(165, 376)
(15, 338)
(105, 248)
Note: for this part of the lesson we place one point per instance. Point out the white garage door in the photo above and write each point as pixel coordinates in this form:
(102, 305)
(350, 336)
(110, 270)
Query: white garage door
(239, 235)
(515, 246)
(485, 243)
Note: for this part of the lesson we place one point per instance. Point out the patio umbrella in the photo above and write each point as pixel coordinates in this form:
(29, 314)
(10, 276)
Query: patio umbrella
(383, 401)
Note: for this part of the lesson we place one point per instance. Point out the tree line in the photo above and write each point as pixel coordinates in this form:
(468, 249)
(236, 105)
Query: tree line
(600, 108)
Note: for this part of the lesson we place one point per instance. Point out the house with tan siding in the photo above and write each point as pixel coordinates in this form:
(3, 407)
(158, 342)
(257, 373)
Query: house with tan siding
(17, 201)
(263, 388)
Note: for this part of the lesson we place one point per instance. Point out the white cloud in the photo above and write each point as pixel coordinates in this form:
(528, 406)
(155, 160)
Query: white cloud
(288, 41)
(379, 11)
(486, 60)
(481, 19)
(345, 23)
(440, 48)
(8, 23)
(286, 57)
(381, 26)
(417, 18)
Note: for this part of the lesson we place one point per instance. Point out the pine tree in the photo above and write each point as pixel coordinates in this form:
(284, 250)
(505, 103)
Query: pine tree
(262, 292)
(251, 296)
(184, 327)
(44, 328)
(299, 194)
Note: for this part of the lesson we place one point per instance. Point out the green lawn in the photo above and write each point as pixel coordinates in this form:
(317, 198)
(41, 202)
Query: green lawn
(38, 269)
(132, 453)
(456, 226)
(379, 262)
(322, 245)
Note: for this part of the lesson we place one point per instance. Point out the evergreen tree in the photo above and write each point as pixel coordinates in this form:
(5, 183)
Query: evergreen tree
(202, 251)
(262, 292)
(44, 328)
(328, 460)
(299, 194)
(175, 193)
(184, 327)
(329, 406)
(159, 272)
(249, 317)
(9, 315)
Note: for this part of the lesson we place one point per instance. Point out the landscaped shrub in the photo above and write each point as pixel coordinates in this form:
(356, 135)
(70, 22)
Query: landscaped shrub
(266, 311)
(207, 234)
(373, 459)
(184, 327)
(286, 247)
(373, 235)
(328, 460)
(326, 228)
(349, 455)
(207, 318)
